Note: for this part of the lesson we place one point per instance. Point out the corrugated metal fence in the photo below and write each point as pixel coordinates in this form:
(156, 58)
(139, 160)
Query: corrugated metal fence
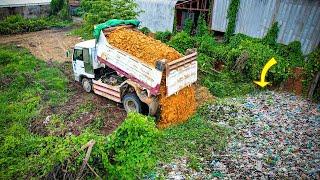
(298, 19)
(157, 15)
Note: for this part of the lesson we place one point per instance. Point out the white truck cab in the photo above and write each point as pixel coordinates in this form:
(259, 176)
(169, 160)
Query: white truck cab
(82, 60)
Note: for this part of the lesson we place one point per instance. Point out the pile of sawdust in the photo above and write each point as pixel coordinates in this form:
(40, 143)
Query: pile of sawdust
(141, 46)
(174, 109)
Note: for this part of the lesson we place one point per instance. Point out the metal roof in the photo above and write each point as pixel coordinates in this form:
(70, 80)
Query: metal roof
(18, 3)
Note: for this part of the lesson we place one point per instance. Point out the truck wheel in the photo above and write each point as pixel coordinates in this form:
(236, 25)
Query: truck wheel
(86, 84)
(132, 103)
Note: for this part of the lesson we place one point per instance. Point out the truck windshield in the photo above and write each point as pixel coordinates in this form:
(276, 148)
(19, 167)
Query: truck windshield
(78, 55)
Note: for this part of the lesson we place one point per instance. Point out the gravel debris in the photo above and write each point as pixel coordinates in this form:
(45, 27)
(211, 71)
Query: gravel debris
(276, 136)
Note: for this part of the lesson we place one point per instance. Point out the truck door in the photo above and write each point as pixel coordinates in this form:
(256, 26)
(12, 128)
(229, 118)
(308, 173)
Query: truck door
(78, 65)
(88, 66)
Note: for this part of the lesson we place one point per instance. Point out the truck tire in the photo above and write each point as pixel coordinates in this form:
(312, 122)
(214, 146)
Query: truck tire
(86, 84)
(132, 103)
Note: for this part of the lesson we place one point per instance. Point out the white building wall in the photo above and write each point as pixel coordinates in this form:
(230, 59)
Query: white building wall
(157, 15)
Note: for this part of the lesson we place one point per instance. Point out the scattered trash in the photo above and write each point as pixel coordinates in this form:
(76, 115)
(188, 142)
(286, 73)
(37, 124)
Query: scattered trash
(279, 139)
(179, 169)
(47, 120)
(276, 136)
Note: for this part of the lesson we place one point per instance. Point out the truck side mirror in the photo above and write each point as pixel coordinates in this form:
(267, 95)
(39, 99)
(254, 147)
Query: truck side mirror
(161, 64)
(68, 53)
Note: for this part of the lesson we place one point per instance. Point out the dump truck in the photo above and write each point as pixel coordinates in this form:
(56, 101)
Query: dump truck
(123, 78)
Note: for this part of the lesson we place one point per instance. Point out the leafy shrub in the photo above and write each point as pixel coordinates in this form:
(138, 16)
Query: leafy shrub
(64, 13)
(238, 38)
(232, 17)
(272, 35)
(205, 62)
(311, 67)
(131, 148)
(291, 52)
(56, 6)
(188, 26)
(226, 84)
(259, 55)
(205, 42)
(17, 24)
(163, 36)
(99, 11)
(202, 28)
(60, 8)
(181, 42)
(145, 30)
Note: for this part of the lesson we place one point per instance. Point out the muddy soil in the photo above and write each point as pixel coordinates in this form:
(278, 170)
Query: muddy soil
(46, 45)
(111, 112)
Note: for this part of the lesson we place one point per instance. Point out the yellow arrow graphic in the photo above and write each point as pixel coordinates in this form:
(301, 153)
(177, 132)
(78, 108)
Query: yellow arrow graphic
(265, 69)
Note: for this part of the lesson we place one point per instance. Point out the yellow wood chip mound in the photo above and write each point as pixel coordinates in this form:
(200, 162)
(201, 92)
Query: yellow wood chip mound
(141, 46)
(174, 109)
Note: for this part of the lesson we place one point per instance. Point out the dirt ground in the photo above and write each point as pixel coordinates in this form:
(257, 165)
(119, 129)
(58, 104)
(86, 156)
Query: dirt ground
(46, 45)
(51, 45)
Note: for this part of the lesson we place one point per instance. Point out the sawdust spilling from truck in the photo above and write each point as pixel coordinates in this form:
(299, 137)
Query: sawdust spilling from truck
(176, 108)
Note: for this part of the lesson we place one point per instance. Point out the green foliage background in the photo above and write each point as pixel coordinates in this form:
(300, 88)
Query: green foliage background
(99, 11)
(163, 36)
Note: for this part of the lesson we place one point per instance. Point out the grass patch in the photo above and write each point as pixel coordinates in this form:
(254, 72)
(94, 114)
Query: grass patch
(195, 139)
(31, 85)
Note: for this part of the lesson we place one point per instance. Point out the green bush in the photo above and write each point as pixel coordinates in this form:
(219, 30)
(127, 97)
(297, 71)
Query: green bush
(56, 6)
(64, 13)
(232, 17)
(259, 55)
(182, 41)
(291, 52)
(238, 38)
(272, 35)
(311, 67)
(131, 148)
(188, 26)
(205, 42)
(163, 36)
(225, 84)
(145, 30)
(100, 11)
(205, 63)
(202, 28)
(17, 24)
